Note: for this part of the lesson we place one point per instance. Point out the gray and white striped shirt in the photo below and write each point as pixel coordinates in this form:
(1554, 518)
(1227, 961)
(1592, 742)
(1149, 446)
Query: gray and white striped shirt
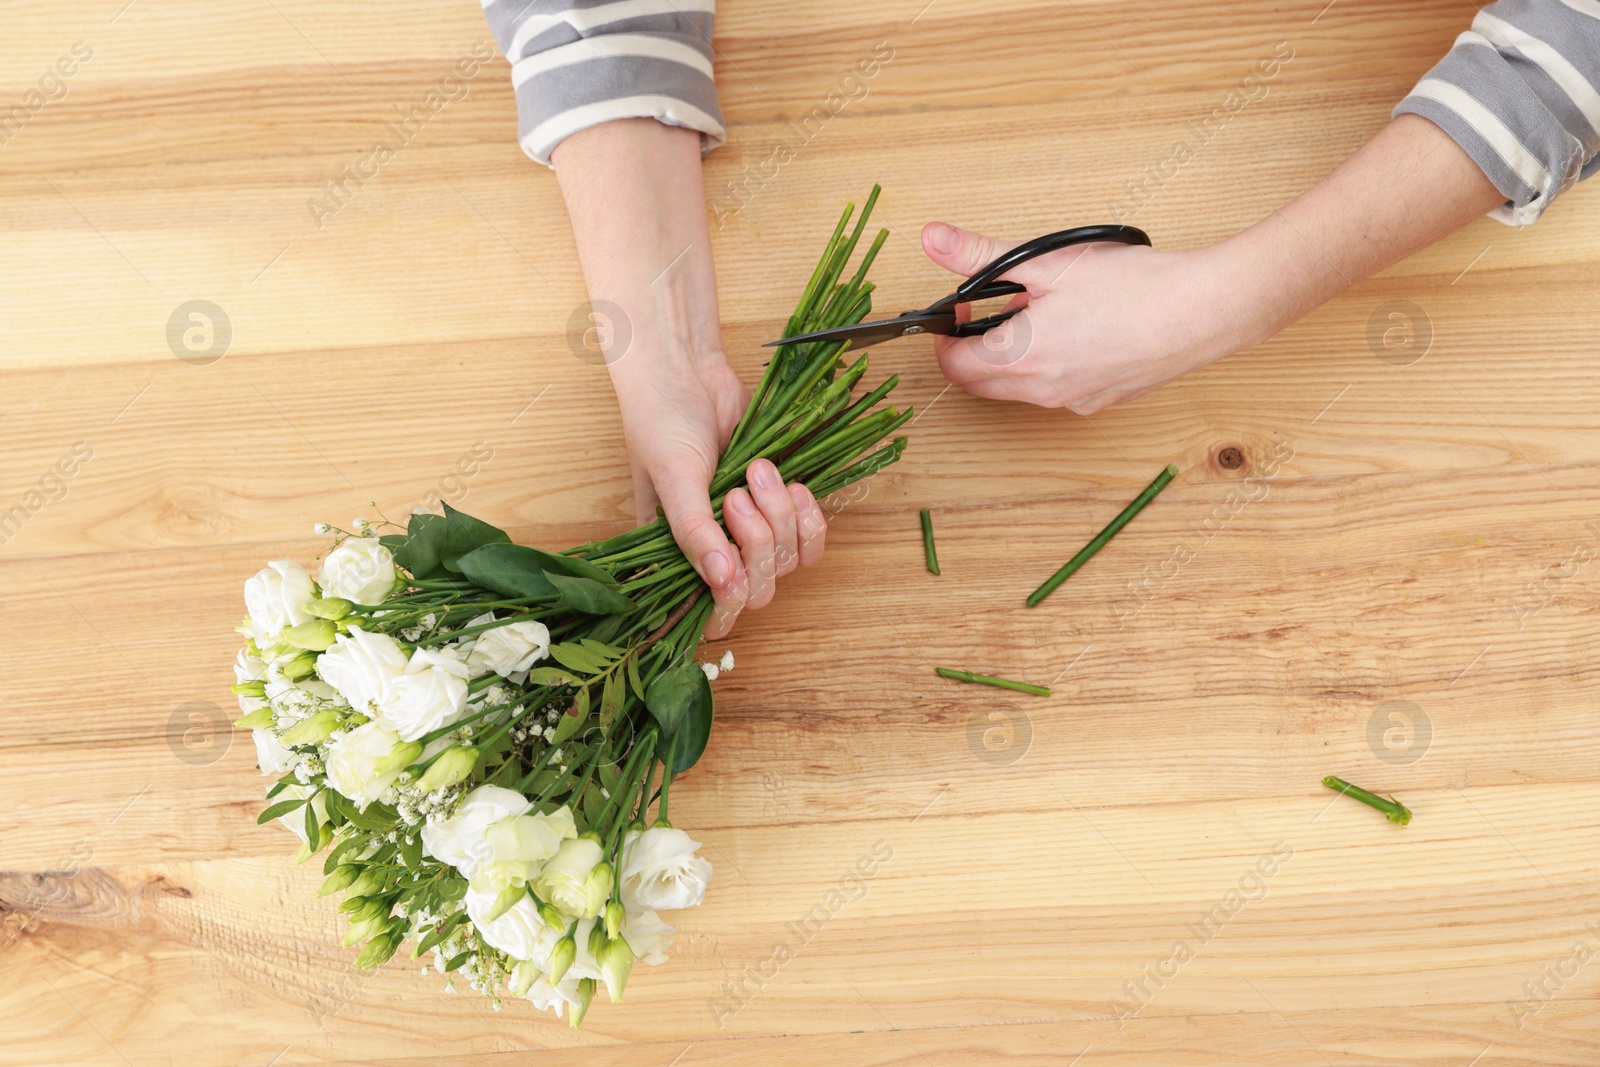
(1519, 91)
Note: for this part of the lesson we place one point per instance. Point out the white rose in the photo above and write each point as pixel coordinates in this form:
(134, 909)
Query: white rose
(271, 756)
(505, 650)
(647, 935)
(276, 599)
(353, 763)
(296, 819)
(517, 846)
(660, 870)
(431, 693)
(562, 879)
(520, 933)
(362, 666)
(459, 839)
(360, 570)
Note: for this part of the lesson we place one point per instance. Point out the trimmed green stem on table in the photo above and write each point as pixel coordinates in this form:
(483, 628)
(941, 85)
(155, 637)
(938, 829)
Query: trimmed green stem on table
(930, 556)
(1392, 809)
(1099, 540)
(973, 678)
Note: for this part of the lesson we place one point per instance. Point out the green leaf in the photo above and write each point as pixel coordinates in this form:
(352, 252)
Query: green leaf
(550, 676)
(610, 776)
(696, 729)
(440, 932)
(671, 695)
(572, 720)
(511, 570)
(609, 627)
(278, 810)
(411, 851)
(611, 698)
(633, 678)
(376, 817)
(393, 542)
(610, 653)
(423, 547)
(573, 567)
(577, 658)
(313, 828)
(338, 852)
(463, 534)
(593, 803)
(588, 596)
(453, 888)
(456, 961)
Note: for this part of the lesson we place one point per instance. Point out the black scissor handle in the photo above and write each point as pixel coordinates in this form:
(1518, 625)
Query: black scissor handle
(970, 289)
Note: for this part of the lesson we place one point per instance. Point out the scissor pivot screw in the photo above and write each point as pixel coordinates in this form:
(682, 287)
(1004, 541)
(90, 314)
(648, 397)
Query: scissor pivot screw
(909, 330)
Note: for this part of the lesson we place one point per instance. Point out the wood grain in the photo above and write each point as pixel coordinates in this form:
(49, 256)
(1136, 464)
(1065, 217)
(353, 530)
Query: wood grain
(1409, 541)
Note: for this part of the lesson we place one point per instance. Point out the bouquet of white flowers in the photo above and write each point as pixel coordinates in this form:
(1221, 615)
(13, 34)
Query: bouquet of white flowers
(478, 731)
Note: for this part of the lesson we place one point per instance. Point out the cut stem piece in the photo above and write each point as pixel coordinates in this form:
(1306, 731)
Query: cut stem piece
(1103, 536)
(989, 679)
(1392, 809)
(928, 553)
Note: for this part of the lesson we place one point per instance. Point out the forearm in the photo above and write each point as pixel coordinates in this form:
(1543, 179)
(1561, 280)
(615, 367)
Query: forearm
(633, 191)
(1410, 186)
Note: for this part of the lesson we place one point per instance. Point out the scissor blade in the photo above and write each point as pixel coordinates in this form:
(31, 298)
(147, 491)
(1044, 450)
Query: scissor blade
(860, 335)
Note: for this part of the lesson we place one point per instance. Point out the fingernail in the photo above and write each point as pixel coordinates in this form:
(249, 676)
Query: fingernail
(943, 238)
(741, 503)
(715, 566)
(764, 475)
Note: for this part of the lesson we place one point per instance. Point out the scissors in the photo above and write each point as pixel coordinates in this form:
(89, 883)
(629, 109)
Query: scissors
(940, 316)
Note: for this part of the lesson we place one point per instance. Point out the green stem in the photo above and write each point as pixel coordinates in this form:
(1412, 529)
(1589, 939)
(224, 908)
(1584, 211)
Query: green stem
(928, 554)
(989, 679)
(1103, 536)
(1392, 809)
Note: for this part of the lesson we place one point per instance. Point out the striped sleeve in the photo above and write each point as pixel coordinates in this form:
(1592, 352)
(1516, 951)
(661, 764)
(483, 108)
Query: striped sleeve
(578, 63)
(1518, 92)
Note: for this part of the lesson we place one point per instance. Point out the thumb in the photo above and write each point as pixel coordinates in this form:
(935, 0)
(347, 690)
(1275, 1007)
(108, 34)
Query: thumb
(961, 251)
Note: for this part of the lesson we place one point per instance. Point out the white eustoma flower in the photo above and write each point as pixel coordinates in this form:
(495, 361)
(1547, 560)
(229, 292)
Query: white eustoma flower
(562, 879)
(276, 599)
(661, 870)
(647, 935)
(505, 650)
(362, 666)
(360, 570)
(516, 847)
(459, 839)
(430, 693)
(271, 756)
(554, 998)
(296, 819)
(520, 933)
(354, 762)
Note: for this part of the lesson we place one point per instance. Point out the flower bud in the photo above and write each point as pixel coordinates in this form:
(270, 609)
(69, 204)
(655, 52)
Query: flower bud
(551, 915)
(341, 878)
(369, 882)
(299, 667)
(561, 958)
(452, 766)
(402, 755)
(505, 901)
(616, 960)
(596, 888)
(378, 950)
(332, 607)
(523, 975)
(256, 689)
(258, 719)
(585, 995)
(362, 929)
(311, 729)
(615, 917)
(314, 635)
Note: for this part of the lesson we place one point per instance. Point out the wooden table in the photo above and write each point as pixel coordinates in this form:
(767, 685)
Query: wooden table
(1395, 581)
